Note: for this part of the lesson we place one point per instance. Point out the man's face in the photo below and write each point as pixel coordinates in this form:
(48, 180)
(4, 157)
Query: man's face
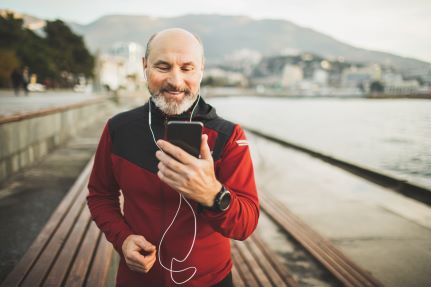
(174, 67)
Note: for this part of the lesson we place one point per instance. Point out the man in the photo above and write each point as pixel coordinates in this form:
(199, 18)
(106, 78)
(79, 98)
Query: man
(219, 186)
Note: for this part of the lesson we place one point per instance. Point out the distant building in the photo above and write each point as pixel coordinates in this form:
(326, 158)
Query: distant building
(292, 75)
(220, 77)
(132, 53)
(121, 67)
(361, 76)
(320, 77)
(410, 87)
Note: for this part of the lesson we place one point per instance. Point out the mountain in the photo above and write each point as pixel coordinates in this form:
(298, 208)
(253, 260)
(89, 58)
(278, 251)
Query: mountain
(223, 35)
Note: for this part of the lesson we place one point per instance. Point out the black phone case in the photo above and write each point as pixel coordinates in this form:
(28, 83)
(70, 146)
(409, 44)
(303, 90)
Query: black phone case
(186, 135)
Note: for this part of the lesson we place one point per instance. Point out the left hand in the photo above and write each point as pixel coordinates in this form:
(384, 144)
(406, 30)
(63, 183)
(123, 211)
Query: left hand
(192, 177)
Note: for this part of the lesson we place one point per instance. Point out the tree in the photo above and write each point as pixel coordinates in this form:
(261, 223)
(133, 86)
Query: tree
(70, 52)
(8, 62)
(60, 57)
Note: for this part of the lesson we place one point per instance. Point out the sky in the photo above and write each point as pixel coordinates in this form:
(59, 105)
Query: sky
(402, 27)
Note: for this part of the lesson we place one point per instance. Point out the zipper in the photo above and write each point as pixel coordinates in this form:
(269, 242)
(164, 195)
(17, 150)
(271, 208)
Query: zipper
(165, 136)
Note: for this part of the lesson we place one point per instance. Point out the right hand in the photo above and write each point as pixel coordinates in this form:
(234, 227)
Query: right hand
(139, 254)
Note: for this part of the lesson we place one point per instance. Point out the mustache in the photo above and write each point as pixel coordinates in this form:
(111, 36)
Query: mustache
(172, 88)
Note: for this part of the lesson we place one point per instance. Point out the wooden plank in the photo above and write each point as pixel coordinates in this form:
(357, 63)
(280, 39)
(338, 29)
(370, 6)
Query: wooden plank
(64, 261)
(44, 263)
(281, 269)
(82, 264)
(243, 268)
(236, 266)
(237, 280)
(276, 278)
(99, 269)
(23, 267)
(345, 270)
(345, 278)
(250, 260)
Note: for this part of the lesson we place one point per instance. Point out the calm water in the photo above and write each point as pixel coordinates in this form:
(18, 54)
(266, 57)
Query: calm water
(393, 136)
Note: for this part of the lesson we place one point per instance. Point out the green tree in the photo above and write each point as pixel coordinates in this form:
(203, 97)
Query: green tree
(70, 52)
(60, 56)
(8, 62)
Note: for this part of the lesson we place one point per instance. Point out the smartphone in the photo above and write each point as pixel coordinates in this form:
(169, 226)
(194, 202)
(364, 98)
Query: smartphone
(186, 135)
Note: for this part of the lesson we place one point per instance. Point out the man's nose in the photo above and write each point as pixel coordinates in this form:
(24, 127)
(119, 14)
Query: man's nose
(175, 78)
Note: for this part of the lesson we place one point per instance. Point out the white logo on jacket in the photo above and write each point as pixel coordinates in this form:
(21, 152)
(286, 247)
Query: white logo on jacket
(242, 142)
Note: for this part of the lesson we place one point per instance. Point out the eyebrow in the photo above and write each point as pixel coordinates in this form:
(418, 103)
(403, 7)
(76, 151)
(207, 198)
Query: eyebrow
(161, 62)
(188, 64)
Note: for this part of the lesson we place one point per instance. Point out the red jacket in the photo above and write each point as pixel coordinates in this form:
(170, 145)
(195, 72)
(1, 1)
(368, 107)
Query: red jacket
(125, 160)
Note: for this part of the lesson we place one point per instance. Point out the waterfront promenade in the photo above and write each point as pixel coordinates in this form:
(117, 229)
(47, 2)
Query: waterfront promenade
(385, 233)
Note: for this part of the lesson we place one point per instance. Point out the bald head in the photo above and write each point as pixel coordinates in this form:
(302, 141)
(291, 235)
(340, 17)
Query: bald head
(174, 67)
(174, 36)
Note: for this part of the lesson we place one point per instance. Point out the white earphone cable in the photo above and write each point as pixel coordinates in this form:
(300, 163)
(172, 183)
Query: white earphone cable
(171, 270)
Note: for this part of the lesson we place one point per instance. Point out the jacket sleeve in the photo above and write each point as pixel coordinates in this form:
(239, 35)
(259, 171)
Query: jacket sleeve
(103, 197)
(236, 174)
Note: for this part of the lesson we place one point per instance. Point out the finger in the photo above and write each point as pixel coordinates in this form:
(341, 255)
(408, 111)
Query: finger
(168, 181)
(151, 264)
(137, 259)
(145, 244)
(176, 152)
(205, 149)
(171, 162)
(168, 172)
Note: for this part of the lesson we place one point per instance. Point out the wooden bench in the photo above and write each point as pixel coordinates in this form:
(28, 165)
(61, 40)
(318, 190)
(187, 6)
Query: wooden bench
(71, 251)
(257, 265)
(347, 272)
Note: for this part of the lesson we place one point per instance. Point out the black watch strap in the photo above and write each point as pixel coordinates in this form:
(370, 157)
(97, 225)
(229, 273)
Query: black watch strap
(222, 200)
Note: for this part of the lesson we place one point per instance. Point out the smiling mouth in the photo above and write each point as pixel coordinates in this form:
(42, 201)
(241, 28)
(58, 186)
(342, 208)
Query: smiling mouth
(173, 93)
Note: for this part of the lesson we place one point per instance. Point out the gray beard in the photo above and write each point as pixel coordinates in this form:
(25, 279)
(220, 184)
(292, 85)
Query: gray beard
(173, 107)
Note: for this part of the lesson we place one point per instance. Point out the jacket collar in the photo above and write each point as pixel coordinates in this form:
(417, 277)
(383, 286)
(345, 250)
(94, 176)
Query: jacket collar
(203, 112)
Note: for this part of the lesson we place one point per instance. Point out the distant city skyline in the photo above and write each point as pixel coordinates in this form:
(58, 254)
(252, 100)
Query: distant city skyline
(395, 26)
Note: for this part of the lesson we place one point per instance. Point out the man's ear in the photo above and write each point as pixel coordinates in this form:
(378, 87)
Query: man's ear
(144, 63)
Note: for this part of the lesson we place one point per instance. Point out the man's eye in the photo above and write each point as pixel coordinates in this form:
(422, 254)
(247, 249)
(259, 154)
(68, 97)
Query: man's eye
(163, 68)
(187, 69)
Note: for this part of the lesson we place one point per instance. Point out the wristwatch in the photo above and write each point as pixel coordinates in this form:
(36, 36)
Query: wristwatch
(222, 200)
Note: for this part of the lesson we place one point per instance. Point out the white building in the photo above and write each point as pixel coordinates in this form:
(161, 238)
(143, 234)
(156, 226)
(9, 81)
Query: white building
(292, 75)
(320, 77)
(122, 67)
(356, 76)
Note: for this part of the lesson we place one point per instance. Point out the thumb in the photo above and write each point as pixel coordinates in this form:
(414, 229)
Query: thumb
(205, 149)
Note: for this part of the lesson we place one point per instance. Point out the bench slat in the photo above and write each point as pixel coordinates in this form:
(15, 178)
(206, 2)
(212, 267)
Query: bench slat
(265, 264)
(47, 258)
(243, 268)
(251, 261)
(237, 280)
(272, 258)
(22, 268)
(64, 261)
(81, 266)
(99, 269)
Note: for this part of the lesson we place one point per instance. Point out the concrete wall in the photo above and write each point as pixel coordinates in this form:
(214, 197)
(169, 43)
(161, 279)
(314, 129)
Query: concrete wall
(27, 139)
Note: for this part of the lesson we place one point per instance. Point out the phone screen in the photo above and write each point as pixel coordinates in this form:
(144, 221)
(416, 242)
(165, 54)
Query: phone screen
(186, 135)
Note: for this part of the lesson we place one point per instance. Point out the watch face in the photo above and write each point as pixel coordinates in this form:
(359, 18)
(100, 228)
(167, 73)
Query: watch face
(225, 201)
